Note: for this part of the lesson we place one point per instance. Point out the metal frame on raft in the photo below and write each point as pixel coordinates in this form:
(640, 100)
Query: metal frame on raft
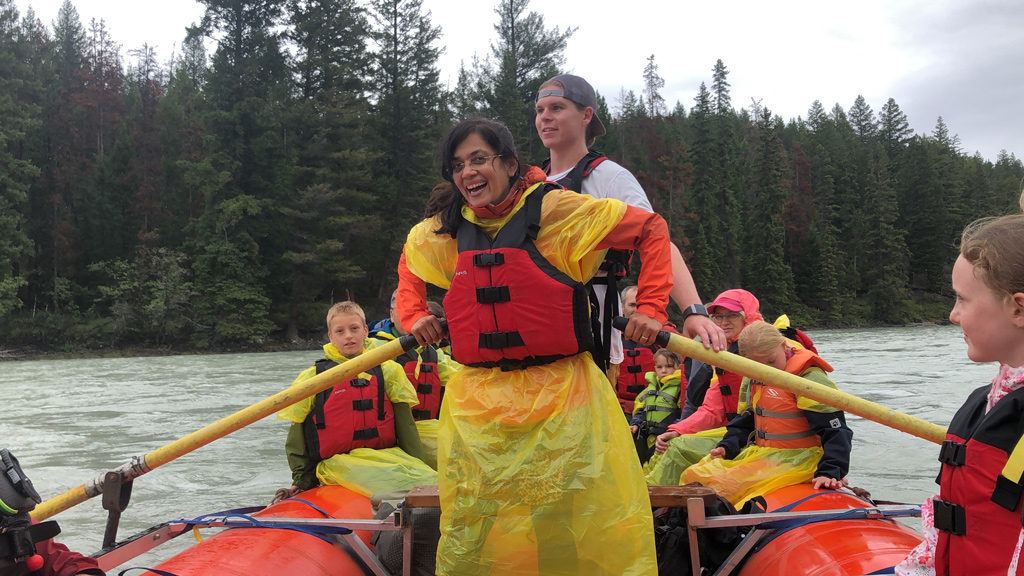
(694, 498)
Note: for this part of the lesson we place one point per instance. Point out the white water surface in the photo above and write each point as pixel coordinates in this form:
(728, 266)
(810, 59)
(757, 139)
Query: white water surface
(68, 421)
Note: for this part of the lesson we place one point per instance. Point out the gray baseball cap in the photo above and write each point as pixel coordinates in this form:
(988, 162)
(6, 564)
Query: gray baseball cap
(579, 91)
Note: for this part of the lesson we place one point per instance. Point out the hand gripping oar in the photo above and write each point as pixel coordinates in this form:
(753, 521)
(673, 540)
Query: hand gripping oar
(139, 465)
(800, 386)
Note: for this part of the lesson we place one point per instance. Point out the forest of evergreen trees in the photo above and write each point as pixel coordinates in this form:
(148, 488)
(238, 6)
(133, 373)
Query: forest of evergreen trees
(224, 199)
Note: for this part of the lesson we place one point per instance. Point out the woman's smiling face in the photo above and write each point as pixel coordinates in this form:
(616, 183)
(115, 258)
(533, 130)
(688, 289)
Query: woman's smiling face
(484, 183)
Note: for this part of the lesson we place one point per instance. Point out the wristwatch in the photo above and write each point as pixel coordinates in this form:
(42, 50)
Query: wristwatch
(692, 309)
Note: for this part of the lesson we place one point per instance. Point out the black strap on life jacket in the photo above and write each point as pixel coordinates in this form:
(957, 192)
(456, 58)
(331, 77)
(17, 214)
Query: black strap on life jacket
(616, 263)
(574, 179)
(320, 399)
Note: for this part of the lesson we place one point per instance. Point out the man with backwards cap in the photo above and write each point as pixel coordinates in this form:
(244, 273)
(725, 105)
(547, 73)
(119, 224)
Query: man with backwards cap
(567, 124)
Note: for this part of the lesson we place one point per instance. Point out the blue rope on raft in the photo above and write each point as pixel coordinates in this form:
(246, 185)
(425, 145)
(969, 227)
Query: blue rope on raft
(783, 526)
(320, 532)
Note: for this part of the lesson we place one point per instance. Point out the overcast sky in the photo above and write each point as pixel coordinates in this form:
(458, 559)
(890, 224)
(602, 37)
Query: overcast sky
(961, 60)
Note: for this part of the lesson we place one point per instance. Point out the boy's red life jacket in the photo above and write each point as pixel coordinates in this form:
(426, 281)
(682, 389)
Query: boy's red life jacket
(352, 414)
(637, 360)
(978, 510)
(507, 305)
(778, 421)
(428, 383)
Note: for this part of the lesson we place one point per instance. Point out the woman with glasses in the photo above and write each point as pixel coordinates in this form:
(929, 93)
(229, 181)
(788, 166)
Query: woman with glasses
(536, 472)
(715, 405)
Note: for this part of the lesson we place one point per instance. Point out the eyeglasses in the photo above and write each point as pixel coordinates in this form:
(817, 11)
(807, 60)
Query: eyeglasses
(476, 162)
(724, 317)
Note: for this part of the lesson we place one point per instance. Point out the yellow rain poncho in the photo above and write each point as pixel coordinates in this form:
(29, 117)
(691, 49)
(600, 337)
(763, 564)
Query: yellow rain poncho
(756, 469)
(683, 451)
(536, 467)
(366, 470)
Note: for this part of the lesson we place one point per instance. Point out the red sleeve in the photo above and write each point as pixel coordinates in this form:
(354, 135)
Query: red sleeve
(411, 300)
(647, 233)
(59, 561)
(710, 414)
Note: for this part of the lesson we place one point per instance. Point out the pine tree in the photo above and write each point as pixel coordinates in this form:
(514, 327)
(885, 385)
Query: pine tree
(653, 83)
(238, 240)
(727, 174)
(708, 257)
(409, 120)
(886, 263)
(525, 54)
(894, 132)
(336, 231)
(766, 273)
(18, 117)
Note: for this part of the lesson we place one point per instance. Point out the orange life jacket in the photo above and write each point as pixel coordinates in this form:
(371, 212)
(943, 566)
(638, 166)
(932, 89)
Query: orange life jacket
(778, 421)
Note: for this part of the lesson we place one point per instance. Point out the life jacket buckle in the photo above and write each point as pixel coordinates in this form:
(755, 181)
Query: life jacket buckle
(950, 517)
(359, 382)
(497, 340)
(492, 294)
(366, 434)
(484, 259)
(362, 404)
(953, 453)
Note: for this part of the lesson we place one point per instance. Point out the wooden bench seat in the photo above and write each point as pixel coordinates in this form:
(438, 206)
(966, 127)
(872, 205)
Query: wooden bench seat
(661, 496)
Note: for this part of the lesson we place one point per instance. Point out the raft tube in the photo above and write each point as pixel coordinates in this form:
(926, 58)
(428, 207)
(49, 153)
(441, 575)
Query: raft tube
(833, 547)
(254, 551)
(840, 547)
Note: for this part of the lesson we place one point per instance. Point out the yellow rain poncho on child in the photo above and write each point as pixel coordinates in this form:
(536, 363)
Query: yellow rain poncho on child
(795, 439)
(364, 470)
(683, 451)
(537, 470)
(446, 368)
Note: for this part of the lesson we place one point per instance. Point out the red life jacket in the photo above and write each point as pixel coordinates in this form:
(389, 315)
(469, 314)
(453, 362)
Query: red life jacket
(778, 421)
(352, 414)
(729, 385)
(978, 510)
(428, 383)
(637, 360)
(507, 305)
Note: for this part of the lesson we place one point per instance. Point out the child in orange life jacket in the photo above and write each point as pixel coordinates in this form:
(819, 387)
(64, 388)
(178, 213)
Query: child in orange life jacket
(360, 433)
(973, 525)
(658, 404)
(795, 439)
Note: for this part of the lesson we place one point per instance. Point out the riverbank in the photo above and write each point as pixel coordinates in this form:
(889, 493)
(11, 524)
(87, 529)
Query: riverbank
(21, 353)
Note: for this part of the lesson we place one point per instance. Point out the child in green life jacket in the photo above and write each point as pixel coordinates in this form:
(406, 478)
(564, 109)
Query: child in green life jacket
(658, 405)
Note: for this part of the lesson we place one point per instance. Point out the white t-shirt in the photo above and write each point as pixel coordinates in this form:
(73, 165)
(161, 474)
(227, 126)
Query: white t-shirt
(611, 180)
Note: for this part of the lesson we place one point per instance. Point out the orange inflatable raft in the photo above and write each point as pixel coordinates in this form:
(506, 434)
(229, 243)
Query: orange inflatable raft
(805, 532)
(278, 551)
(833, 544)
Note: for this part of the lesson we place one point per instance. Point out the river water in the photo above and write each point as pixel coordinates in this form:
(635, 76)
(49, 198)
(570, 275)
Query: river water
(68, 421)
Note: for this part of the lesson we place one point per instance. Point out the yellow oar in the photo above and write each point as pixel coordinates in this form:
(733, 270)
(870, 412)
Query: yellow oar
(139, 465)
(800, 386)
